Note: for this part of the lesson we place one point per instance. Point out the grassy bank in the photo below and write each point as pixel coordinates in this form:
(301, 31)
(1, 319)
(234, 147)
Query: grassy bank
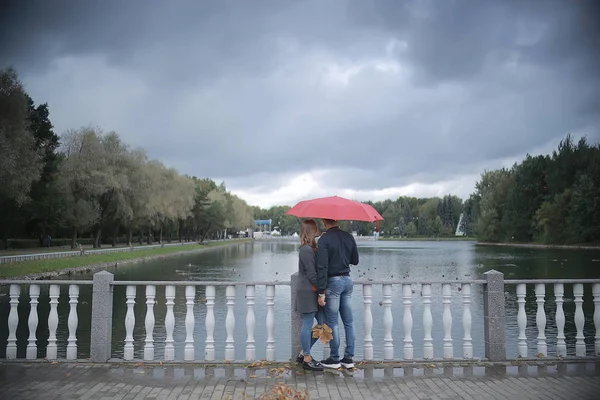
(430, 239)
(41, 268)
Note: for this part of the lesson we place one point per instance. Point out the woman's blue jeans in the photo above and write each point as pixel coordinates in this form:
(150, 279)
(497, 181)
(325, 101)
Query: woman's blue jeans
(306, 333)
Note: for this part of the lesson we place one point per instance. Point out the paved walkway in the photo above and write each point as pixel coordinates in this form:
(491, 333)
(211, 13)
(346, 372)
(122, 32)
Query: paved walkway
(167, 382)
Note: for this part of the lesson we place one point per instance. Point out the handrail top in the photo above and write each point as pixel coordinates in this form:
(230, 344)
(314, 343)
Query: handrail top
(287, 283)
(44, 282)
(548, 281)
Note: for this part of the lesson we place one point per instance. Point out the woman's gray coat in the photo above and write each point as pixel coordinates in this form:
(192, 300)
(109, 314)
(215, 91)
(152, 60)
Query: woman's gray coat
(306, 298)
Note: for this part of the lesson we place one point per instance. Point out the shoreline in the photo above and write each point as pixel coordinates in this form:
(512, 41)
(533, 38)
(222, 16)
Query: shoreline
(541, 246)
(98, 266)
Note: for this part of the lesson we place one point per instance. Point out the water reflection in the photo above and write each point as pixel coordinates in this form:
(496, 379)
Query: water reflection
(265, 261)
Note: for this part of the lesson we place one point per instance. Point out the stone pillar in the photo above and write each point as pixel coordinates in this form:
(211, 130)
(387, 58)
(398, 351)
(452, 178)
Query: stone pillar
(494, 316)
(296, 318)
(102, 307)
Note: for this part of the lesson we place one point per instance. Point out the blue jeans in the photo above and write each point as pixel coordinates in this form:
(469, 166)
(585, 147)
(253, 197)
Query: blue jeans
(306, 333)
(338, 300)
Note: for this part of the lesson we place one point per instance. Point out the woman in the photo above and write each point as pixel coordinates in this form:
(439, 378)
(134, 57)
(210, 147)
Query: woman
(306, 294)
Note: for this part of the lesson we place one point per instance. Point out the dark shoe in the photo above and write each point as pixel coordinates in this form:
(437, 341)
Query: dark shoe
(329, 363)
(300, 359)
(347, 363)
(312, 365)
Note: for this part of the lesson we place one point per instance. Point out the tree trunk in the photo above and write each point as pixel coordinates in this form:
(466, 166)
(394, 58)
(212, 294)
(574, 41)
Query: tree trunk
(141, 238)
(74, 238)
(97, 243)
(129, 236)
(114, 236)
(149, 235)
(160, 234)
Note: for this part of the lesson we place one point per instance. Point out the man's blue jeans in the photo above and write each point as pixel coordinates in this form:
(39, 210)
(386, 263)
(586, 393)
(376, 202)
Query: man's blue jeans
(306, 333)
(338, 300)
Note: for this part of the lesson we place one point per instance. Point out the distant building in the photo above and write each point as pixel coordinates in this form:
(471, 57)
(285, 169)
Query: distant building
(459, 228)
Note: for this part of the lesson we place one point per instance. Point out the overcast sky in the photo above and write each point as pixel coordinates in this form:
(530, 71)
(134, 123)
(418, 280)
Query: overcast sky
(288, 100)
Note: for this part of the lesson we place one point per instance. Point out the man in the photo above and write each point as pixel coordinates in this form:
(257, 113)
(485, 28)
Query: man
(336, 251)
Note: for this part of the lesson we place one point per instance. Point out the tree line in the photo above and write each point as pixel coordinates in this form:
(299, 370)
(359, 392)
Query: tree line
(91, 183)
(552, 199)
(91, 187)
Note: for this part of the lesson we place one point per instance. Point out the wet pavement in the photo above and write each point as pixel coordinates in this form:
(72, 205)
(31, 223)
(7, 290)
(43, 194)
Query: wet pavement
(43, 380)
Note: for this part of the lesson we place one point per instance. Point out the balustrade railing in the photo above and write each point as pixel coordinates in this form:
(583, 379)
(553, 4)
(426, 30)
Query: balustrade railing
(453, 298)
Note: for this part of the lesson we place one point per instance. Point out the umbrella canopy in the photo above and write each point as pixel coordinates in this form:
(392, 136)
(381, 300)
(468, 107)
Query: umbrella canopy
(336, 208)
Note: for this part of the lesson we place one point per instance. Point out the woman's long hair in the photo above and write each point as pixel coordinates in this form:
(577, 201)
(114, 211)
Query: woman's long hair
(308, 232)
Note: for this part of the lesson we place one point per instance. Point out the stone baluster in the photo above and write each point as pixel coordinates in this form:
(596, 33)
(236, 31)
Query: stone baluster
(32, 323)
(540, 319)
(149, 322)
(596, 292)
(467, 321)
(13, 322)
(561, 346)
(407, 321)
(230, 324)
(579, 320)
(72, 322)
(52, 350)
(521, 320)
(129, 323)
(427, 322)
(367, 300)
(388, 323)
(209, 349)
(250, 323)
(170, 323)
(270, 294)
(447, 320)
(190, 297)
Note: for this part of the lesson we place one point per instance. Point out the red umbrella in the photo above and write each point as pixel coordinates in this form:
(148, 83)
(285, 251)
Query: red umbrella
(336, 208)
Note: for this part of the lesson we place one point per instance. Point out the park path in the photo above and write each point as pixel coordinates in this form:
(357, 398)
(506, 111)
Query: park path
(166, 382)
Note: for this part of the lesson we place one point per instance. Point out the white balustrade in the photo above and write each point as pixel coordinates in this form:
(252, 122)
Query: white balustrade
(250, 323)
(561, 346)
(447, 320)
(427, 322)
(13, 321)
(579, 320)
(230, 324)
(72, 322)
(190, 297)
(270, 294)
(596, 293)
(32, 323)
(540, 319)
(52, 350)
(170, 323)
(368, 321)
(521, 320)
(407, 321)
(129, 323)
(467, 321)
(388, 323)
(209, 349)
(149, 322)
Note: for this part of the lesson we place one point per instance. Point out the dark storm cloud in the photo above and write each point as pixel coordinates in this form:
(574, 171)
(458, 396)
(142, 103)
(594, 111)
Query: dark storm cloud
(398, 90)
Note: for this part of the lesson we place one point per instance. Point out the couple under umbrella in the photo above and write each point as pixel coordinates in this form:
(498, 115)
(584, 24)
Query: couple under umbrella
(325, 287)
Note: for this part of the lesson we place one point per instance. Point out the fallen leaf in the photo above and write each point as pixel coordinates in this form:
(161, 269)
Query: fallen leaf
(252, 376)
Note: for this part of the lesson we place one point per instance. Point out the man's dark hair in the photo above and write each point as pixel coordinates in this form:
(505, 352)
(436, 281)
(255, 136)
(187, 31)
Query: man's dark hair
(329, 221)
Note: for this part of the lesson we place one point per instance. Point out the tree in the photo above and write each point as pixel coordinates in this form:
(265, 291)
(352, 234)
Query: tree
(411, 229)
(21, 162)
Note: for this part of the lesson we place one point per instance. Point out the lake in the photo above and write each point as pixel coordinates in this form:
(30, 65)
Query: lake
(270, 261)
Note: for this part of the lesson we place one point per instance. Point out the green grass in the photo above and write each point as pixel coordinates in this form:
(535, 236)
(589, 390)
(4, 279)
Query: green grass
(430, 239)
(12, 270)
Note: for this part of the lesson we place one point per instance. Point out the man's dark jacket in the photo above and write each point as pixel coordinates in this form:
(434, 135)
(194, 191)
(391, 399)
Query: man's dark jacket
(336, 251)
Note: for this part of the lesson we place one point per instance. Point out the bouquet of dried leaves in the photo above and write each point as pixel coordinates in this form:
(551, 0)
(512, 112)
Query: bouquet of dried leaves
(322, 332)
